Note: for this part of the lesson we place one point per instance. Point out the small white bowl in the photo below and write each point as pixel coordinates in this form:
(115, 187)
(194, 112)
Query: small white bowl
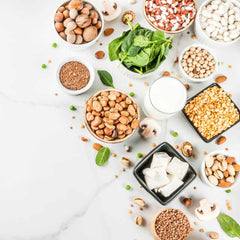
(202, 36)
(203, 175)
(197, 80)
(83, 46)
(91, 80)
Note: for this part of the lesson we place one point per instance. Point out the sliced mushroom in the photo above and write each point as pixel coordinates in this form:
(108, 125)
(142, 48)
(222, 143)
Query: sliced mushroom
(207, 211)
(110, 10)
(128, 15)
(149, 127)
(187, 149)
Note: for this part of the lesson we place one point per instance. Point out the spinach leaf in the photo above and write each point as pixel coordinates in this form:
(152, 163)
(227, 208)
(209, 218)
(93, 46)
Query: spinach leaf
(102, 156)
(106, 78)
(114, 47)
(158, 36)
(139, 60)
(229, 225)
(133, 50)
(128, 41)
(141, 41)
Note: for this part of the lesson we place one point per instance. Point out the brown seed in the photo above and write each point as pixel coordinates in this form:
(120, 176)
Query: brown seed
(221, 140)
(196, 223)
(176, 60)
(214, 235)
(187, 201)
(108, 31)
(114, 155)
(97, 146)
(201, 230)
(221, 79)
(100, 54)
(166, 74)
(187, 86)
(193, 36)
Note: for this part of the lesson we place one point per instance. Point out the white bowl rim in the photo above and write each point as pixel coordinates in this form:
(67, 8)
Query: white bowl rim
(197, 80)
(85, 45)
(203, 174)
(90, 68)
(197, 21)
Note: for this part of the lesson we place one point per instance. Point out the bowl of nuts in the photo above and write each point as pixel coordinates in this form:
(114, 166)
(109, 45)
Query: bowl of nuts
(111, 116)
(78, 23)
(197, 63)
(171, 224)
(220, 169)
(170, 16)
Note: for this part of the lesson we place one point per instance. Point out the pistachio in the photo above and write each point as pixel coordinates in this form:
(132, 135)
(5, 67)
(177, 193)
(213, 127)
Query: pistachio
(140, 202)
(139, 220)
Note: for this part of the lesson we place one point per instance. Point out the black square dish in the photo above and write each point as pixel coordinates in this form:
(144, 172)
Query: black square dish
(203, 138)
(145, 163)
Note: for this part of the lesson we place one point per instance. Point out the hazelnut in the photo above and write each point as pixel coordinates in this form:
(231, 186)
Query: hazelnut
(83, 21)
(59, 26)
(187, 201)
(58, 17)
(187, 149)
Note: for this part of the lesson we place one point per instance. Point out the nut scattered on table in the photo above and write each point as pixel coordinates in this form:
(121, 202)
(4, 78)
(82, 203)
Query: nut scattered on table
(126, 162)
(139, 220)
(221, 140)
(212, 112)
(140, 202)
(198, 63)
(112, 115)
(220, 79)
(214, 235)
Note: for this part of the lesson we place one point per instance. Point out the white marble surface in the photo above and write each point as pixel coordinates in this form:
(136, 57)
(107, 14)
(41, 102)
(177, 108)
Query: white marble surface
(50, 187)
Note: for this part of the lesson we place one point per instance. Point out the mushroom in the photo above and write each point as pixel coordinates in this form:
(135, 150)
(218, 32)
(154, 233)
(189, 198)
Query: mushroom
(110, 10)
(128, 15)
(187, 149)
(149, 127)
(207, 211)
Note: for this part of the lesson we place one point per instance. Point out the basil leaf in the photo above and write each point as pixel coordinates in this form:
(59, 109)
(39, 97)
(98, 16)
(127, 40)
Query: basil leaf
(102, 156)
(229, 225)
(106, 78)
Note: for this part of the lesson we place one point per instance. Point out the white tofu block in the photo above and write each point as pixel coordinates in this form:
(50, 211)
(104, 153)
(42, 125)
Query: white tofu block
(160, 159)
(155, 177)
(174, 184)
(177, 168)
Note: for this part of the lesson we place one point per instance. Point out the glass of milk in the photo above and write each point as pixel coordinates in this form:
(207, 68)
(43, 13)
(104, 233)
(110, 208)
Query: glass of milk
(166, 97)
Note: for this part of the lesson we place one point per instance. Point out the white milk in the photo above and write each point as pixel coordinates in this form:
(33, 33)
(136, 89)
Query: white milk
(164, 98)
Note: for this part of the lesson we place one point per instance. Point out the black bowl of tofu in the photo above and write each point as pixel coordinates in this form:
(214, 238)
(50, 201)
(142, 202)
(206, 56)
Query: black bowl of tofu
(164, 173)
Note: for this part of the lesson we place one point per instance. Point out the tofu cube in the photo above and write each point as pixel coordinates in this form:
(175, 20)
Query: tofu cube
(177, 168)
(160, 159)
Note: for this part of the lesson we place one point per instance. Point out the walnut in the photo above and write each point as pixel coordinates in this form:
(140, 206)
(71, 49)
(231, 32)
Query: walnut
(187, 149)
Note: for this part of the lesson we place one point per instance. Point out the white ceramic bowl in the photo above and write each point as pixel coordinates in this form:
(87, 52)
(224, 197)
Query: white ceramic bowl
(202, 36)
(197, 80)
(91, 80)
(84, 45)
(203, 175)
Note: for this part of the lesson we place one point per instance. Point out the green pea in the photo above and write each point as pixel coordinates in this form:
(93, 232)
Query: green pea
(175, 134)
(72, 108)
(219, 63)
(44, 65)
(54, 45)
(139, 155)
(128, 187)
(131, 94)
(228, 190)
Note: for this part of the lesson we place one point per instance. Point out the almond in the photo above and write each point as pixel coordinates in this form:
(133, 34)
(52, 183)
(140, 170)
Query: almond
(236, 167)
(214, 235)
(97, 146)
(108, 31)
(224, 184)
(221, 140)
(84, 139)
(165, 74)
(230, 160)
(221, 79)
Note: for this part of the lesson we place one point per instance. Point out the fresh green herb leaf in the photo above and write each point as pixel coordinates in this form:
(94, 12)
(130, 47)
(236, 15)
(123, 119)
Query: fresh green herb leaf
(102, 156)
(219, 63)
(128, 187)
(72, 108)
(139, 155)
(132, 94)
(54, 45)
(141, 41)
(228, 191)
(175, 134)
(106, 78)
(44, 65)
(229, 225)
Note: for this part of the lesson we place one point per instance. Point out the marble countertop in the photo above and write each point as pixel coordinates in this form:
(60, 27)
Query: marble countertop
(50, 187)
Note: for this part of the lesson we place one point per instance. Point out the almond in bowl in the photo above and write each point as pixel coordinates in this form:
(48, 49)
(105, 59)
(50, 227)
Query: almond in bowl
(171, 224)
(220, 170)
(111, 116)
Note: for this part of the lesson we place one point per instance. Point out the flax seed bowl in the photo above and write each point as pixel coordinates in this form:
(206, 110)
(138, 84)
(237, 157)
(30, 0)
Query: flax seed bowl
(78, 24)
(111, 116)
(171, 224)
(170, 16)
(75, 75)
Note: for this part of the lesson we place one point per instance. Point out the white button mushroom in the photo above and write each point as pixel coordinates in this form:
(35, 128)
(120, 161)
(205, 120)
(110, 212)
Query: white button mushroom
(110, 10)
(149, 127)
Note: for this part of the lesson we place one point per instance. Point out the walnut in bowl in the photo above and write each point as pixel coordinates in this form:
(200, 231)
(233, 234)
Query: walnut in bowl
(111, 116)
